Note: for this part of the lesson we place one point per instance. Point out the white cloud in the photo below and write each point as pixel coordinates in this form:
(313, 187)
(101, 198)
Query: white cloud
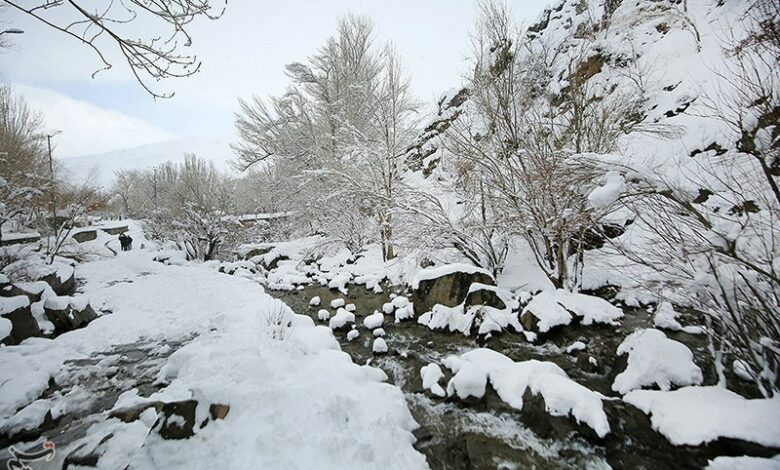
(88, 129)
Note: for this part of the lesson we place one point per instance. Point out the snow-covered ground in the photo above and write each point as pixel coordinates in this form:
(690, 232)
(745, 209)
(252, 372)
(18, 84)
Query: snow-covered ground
(296, 400)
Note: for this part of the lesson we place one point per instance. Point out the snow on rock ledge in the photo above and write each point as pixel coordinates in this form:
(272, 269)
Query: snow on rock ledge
(697, 415)
(445, 270)
(562, 396)
(654, 359)
(549, 309)
(446, 285)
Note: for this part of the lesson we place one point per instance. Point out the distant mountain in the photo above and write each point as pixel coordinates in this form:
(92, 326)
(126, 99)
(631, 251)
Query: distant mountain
(216, 149)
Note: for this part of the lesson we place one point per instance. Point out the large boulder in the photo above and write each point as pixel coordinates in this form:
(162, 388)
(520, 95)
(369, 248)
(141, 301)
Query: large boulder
(32, 290)
(23, 324)
(446, 285)
(177, 420)
(62, 279)
(68, 313)
(483, 294)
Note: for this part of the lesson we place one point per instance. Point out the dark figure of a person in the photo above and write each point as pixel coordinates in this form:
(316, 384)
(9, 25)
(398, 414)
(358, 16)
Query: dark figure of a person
(129, 241)
(123, 241)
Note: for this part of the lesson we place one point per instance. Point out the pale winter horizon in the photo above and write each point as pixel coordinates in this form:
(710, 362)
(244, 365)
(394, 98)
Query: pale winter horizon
(340, 234)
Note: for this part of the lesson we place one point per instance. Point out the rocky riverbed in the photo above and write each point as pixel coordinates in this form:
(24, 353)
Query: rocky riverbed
(488, 433)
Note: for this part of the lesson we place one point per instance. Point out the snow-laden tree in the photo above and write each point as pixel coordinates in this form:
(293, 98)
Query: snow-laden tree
(712, 226)
(340, 133)
(24, 171)
(190, 203)
(533, 118)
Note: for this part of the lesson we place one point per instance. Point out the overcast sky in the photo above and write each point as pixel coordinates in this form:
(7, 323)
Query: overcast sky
(243, 53)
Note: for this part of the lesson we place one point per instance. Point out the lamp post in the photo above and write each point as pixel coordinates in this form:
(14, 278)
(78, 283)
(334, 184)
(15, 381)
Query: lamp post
(51, 173)
(12, 31)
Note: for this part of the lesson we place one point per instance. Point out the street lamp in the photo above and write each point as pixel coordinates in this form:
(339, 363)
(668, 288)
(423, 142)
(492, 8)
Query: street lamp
(12, 31)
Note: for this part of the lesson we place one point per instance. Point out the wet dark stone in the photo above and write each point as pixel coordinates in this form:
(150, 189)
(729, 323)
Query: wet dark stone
(23, 326)
(484, 296)
(450, 290)
(69, 318)
(170, 426)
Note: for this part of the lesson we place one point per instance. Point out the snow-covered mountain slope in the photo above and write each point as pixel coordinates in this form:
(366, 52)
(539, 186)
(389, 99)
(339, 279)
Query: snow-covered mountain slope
(216, 149)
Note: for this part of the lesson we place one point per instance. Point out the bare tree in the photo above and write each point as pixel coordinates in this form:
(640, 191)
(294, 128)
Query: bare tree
(22, 158)
(100, 28)
(525, 145)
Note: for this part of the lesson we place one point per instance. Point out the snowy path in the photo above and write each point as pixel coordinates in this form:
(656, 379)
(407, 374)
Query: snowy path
(296, 400)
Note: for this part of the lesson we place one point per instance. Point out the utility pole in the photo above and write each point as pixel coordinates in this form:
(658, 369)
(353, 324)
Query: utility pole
(51, 182)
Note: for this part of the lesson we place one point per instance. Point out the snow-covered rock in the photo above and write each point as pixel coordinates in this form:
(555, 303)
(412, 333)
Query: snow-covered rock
(549, 309)
(350, 307)
(744, 463)
(341, 319)
(315, 301)
(379, 346)
(379, 332)
(697, 415)
(5, 328)
(446, 285)
(388, 308)
(562, 396)
(575, 347)
(665, 318)
(352, 335)
(337, 303)
(655, 360)
(374, 321)
(431, 374)
(404, 313)
(400, 301)
(323, 314)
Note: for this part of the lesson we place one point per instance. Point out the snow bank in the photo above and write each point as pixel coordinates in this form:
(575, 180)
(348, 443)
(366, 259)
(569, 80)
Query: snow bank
(556, 308)
(606, 195)
(654, 359)
(440, 271)
(697, 415)
(562, 396)
(284, 385)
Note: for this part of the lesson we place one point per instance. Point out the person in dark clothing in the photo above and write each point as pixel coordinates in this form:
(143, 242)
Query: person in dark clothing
(129, 241)
(124, 242)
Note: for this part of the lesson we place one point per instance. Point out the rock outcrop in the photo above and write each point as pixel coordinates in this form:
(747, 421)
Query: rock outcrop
(447, 285)
(23, 324)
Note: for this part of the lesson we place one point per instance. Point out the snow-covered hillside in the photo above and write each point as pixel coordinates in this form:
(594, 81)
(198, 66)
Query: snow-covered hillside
(216, 149)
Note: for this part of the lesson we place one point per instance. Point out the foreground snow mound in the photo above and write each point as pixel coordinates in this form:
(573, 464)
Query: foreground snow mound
(562, 396)
(697, 415)
(655, 360)
(559, 307)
